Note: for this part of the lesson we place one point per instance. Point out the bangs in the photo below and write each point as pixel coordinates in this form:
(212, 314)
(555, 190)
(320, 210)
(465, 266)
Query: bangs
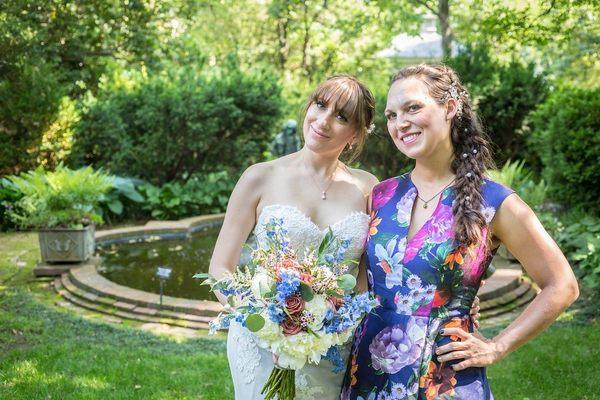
(344, 94)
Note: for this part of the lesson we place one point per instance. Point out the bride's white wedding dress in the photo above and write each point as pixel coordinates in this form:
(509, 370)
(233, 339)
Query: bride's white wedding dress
(251, 365)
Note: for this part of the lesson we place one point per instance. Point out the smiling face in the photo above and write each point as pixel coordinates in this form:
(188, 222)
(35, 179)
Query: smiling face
(418, 125)
(327, 128)
(337, 114)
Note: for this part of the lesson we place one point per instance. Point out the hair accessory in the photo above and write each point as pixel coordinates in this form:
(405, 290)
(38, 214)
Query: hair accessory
(370, 129)
(474, 151)
(469, 174)
(466, 130)
(456, 95)
(465, 155)
(467, 198)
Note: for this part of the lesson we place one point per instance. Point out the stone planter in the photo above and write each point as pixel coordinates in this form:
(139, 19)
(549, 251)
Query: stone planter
(66, 245)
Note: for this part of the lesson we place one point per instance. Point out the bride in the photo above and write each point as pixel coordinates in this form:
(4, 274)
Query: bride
(310, 190)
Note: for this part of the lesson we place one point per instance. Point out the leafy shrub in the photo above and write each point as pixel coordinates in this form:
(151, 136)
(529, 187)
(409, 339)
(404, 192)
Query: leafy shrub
(503, 95)
(166, 127)
(62, 198)
(566, 136)
(122, 201)
(30, 95)
(9, 197)
(578, 236)
(515, 175)
(201, 194)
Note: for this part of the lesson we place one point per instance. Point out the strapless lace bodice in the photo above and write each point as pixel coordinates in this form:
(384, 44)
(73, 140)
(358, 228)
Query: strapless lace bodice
(305, 235)
(251, 365)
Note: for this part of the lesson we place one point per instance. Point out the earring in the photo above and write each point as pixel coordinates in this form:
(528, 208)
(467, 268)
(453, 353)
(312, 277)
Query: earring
(350, 146)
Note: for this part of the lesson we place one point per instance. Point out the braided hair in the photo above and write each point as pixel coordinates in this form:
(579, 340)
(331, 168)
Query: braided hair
(472, 155)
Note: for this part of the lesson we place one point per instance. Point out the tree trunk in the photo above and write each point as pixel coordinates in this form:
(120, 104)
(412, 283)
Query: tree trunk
(446, 32)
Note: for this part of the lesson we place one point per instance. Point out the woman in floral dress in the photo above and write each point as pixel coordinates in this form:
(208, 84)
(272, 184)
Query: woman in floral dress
(433, 233)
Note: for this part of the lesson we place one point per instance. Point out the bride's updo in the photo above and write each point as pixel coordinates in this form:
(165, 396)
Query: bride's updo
(354, 100)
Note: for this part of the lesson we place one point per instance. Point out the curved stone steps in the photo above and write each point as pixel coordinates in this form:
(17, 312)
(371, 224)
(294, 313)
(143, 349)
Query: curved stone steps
(509, 301)
(88, 280)
(125, 309)
(511, 289)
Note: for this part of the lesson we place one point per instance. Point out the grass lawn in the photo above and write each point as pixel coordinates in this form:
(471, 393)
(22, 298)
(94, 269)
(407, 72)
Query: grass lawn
(49, 352)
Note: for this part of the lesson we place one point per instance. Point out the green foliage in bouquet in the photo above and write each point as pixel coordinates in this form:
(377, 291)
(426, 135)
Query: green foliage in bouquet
(62, 198)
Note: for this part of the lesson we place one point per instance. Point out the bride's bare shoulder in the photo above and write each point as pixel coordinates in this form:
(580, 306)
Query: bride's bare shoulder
(262, 172)
(365, 179)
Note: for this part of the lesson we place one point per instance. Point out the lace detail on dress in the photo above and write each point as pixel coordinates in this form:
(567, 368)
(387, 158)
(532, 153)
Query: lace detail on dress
(305, 389)
(248, 356)
(305, 235)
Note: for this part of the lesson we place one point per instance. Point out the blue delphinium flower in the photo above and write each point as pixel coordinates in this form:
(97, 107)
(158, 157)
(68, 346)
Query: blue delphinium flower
(290, 282)
(350, 312)
(275, 313)
(277, 236)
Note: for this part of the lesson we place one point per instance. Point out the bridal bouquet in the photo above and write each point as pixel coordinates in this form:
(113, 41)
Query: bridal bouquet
(299, 309)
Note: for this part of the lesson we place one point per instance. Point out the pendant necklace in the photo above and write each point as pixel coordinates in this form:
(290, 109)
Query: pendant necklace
(324, 191)
(426, 202)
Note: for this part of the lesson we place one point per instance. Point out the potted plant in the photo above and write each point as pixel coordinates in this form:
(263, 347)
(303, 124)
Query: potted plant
(62, 206)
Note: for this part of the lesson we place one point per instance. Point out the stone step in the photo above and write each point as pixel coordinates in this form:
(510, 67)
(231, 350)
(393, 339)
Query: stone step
(89, 280)
(502, 281)
(506, 308)
(507, 297)
(125, 306)
(136, 316)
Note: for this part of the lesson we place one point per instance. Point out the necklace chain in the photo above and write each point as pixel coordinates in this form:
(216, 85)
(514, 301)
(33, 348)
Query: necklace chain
(330, 179)
(426, 202)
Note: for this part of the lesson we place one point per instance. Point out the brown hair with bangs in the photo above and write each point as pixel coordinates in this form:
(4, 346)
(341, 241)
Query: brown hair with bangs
(353, 100)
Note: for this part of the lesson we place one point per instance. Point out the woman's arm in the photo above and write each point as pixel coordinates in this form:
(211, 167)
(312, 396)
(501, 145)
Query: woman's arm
(240, 218)
(519, 229)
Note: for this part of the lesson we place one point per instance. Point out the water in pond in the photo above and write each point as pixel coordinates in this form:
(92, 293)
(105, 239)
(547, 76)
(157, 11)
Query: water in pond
(134, 264)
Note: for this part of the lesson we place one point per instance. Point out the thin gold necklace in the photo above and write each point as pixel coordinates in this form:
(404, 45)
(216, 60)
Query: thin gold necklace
(324, 191)
(426, 202)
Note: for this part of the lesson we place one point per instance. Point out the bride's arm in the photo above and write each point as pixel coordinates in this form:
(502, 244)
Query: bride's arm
(361, 280)
(240, 218)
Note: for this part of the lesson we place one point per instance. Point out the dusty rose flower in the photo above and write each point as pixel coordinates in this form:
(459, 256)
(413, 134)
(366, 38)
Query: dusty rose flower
(335, 302)
(294, 304)
(290, 327)
(306, 278)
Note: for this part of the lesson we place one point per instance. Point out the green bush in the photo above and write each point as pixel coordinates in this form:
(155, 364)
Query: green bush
(515, 175)
(30, 97)
(9, 197)
(503, 95)
(200, 194)
(122, 201)
(566, 135)
(578, 236)
(62, 198)
(166, 127)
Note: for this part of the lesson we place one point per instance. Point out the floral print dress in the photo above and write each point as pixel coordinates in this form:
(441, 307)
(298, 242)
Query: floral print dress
(423, 284)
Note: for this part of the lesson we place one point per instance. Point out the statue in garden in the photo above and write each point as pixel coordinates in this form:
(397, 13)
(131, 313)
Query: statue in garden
(286, 141)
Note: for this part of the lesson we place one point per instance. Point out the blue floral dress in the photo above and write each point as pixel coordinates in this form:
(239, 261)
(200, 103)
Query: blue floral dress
(424, 284)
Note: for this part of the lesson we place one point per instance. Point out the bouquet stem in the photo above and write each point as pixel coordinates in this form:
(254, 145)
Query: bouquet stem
(281, 383)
